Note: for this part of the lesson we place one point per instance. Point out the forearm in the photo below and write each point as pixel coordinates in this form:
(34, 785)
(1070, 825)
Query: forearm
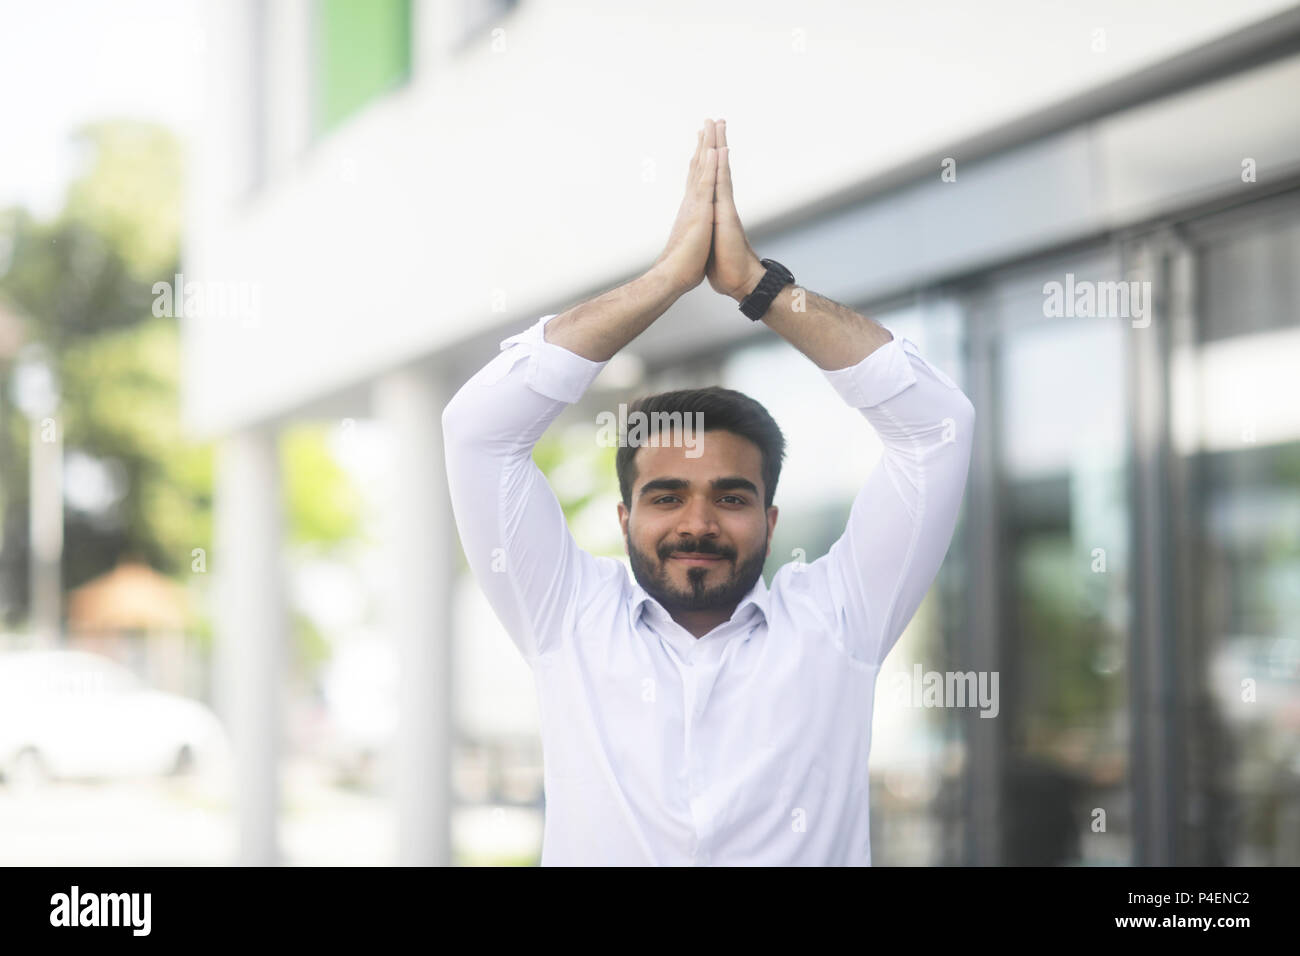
(598, 328)
(832, 335)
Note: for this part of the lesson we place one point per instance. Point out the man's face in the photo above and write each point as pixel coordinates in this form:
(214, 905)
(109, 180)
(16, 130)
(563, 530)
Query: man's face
(710, 506)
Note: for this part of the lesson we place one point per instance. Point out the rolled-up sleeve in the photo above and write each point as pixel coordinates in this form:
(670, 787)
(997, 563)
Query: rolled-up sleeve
(903, 518)
(554, 371)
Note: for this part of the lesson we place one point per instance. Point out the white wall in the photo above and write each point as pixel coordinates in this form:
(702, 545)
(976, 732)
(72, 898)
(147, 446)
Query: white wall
(518, 177)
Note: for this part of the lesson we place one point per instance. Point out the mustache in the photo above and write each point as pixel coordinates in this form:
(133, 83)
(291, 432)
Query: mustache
(697, 547)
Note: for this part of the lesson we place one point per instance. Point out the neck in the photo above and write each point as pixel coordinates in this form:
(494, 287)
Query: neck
(699, 623)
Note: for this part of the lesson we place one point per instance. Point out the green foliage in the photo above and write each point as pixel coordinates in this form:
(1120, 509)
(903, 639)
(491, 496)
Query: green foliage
(1064, 634)
(323, 509)
(566, 452)
(131, 195)
(120, 403)
(71, 282)
(83, 287)
(312, 648)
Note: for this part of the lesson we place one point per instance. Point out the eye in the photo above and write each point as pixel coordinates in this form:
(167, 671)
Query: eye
(737, 499)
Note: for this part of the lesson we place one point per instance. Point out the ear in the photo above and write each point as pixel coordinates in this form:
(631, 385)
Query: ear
(623, 517)
(772, 513)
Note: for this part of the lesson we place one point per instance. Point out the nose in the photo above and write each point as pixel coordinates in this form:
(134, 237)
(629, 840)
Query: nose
(698, 519)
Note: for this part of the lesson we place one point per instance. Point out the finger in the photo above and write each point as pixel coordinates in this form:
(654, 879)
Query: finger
(694, 169)
(707, 181)
(722, 134)
(710, 134)
(726, 202)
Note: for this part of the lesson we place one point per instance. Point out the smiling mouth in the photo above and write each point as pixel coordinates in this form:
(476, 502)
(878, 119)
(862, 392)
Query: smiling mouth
(698, 558)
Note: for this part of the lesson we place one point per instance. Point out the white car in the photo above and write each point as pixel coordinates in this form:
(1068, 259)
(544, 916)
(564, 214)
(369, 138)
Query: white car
(73, 715)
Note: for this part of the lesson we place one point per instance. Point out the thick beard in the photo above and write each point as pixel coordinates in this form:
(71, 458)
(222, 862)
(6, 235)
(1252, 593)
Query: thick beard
(654, 580)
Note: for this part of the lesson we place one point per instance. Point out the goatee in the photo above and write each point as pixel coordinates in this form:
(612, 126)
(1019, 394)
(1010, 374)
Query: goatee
(654, 577)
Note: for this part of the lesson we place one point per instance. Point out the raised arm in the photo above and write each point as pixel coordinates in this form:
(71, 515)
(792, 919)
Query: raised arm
(511, 525)
(903, 518)
(599, 328)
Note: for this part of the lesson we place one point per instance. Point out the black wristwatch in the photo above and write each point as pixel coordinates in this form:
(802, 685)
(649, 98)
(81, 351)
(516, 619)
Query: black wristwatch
(777, 277)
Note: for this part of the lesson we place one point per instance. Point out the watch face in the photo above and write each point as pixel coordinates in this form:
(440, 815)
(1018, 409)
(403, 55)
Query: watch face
(779, 269)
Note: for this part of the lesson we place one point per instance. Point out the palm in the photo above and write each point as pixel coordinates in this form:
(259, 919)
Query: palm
(730, 257)
(707, 239)
(731, 260)
(687, 251)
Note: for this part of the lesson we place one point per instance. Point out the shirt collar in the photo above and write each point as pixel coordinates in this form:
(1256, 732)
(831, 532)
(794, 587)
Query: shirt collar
(758, 596)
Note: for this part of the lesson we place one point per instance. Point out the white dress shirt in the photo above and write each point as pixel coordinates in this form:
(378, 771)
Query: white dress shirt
(748, 745)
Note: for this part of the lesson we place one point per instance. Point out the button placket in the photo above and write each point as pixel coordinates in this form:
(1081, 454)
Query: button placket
(695, 789)
(690, 694)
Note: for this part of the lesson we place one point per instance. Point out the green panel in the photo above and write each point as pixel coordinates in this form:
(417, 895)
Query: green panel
(363, 49)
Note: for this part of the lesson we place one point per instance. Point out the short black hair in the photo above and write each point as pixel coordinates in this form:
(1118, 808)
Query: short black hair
(723, 409)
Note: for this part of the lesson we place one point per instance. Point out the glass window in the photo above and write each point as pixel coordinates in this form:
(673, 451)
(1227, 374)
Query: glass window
(916, 756)
(363, 49)
(1245, 764)
(1061, 439)
(1249, 280)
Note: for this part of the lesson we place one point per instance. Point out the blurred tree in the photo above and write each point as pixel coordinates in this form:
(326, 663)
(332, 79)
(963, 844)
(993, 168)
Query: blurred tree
(560, 451)
(83, 287)
(70, 281)
(322, 505)
(129, 193)
(581, 473)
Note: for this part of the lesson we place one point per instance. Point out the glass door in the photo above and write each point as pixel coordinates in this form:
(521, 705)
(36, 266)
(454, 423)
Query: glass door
(1053, 341)
(1236, 377)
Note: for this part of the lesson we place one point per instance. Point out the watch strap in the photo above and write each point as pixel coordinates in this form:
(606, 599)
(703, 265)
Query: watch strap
(776, 278)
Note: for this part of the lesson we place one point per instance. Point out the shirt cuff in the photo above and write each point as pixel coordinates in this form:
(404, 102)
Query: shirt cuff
(553, 370)
(878, 377)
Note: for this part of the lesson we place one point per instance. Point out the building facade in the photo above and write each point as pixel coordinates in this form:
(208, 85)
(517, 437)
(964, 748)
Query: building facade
(1093, 225)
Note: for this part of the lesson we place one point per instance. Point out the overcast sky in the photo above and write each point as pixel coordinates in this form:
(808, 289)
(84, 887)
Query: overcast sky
(65, 62)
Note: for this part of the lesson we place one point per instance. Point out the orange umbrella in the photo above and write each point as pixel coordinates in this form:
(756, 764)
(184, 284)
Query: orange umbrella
(131, 597)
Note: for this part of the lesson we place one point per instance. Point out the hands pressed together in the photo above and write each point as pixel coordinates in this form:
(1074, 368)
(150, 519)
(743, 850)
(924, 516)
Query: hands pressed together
(707, 239)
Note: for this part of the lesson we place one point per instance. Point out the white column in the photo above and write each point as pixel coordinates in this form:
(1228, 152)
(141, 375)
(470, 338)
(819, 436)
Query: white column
(251, 624)
(46, 517)
(288, 70)
(419, 537)
(435, 28)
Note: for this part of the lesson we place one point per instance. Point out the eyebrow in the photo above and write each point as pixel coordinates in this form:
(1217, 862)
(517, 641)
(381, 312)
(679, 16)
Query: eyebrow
(730, 483)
